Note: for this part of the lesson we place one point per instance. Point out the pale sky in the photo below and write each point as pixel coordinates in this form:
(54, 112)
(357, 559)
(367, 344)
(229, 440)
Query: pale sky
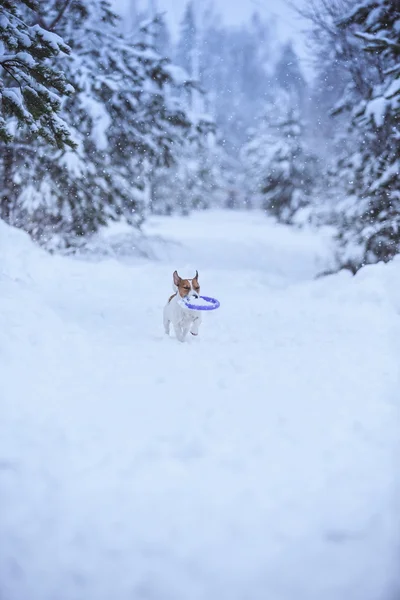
(234, 12)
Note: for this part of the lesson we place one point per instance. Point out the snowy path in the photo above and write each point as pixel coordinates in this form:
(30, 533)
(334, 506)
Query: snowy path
(253, 463)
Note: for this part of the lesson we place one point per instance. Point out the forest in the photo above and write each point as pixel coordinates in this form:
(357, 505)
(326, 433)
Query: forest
(105, 119)
(153, 447)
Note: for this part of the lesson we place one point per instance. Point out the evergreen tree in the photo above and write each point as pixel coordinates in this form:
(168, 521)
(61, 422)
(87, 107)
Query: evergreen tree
(279, 165)
(360, 47)
(187, 44)
(370, 230)
(288, 75)
(126, 124)
(30, 88)
(328, 86)
(196, 180)
(235, 65)
(162, 37)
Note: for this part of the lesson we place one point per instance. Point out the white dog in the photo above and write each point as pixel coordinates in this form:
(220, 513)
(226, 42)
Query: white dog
(183, 319)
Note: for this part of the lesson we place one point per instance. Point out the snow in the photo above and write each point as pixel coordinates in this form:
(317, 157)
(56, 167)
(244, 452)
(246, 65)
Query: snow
(74, 161)
(51, 38)
(393, 89)
(177, 74)
(255, 461)
(390, 173)
(14, 95)
(26, 58)
(19, 56)
(101, 120)
(376, 108)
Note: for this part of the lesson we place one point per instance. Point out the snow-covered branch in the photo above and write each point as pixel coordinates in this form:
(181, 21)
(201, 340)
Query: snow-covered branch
(378, 41)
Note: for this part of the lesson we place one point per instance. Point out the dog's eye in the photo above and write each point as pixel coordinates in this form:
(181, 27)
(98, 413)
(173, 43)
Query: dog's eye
(185, 287)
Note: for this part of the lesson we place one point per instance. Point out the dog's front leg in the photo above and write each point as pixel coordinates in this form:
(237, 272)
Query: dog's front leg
(195, 326)
(179, 332)
(185, 330)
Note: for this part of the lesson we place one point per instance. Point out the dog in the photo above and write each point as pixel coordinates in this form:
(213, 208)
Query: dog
(183, 319)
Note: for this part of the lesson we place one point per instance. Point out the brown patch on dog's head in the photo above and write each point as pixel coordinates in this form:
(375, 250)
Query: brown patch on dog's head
(186, 286)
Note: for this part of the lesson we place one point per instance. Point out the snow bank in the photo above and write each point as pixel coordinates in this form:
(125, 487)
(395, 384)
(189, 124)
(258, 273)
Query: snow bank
(18, 254)
(256, 461)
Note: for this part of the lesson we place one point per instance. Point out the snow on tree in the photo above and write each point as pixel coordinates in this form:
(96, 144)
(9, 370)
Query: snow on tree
(370, 228)
(234, 70)
(188, 52)
(375, 216)
(234, 66)
(30, 88)
(126, 123)
(359, 40)
(327, 88)
(288, 74)
(162, 37)
(187, 44)
(280, 167)
(196, 181)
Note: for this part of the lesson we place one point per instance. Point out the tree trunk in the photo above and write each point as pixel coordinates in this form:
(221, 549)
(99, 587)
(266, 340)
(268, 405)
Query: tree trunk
(7, 194)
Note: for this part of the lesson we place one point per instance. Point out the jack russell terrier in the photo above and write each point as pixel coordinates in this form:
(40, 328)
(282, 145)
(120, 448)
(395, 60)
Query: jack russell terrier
(183, 319)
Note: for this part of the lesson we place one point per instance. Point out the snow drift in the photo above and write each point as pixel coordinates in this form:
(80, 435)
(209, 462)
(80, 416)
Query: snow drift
(256, 461)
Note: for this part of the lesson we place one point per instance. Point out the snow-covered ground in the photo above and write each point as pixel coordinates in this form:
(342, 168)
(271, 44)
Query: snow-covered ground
(256, 462)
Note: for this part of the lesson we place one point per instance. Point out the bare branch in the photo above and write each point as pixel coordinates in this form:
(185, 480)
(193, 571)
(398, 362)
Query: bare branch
(57, 18)
(60, 15)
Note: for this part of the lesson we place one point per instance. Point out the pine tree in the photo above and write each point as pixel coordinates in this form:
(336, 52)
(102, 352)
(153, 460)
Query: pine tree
(187, 40)
(235, 65)
(361, 39)
(370, 230)
(278, 163)
(195, 181)
(30, 88)
(126, 124)
(162, 37)
(288, 75)
(327, 88)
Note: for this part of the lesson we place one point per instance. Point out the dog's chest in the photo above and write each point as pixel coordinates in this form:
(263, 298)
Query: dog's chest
(185, 317)
(181, 315)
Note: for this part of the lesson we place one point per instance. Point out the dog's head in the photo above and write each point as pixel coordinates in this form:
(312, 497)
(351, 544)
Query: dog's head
(187, 288)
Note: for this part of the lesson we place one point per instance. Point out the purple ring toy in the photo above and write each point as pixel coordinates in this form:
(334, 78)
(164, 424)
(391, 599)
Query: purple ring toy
(212, 304)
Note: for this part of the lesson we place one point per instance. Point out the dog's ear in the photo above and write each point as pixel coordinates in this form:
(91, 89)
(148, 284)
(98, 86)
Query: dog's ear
(177, 279)
(196, 276)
